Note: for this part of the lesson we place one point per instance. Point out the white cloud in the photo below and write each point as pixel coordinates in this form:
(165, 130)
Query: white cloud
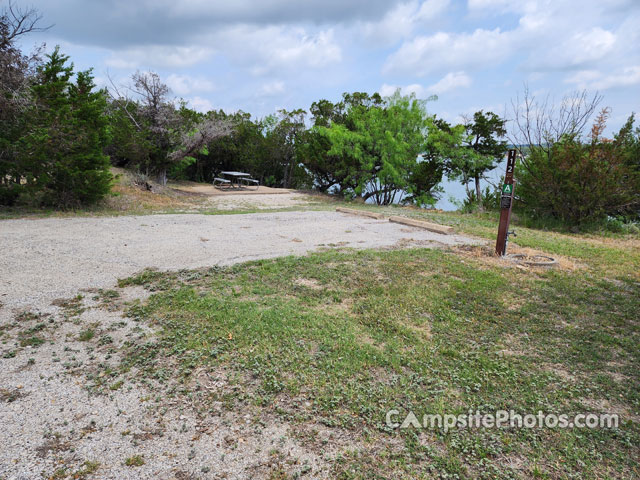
(276, 47)
(186, 85)
(484, 4)
(450, 81)
(263, 49)
(549, 36)
(581, 49)
(402, 21)
(158, 56)
(200, 104)
(592, 45)
(129, 23)
(431, 9)
(272, 88)
(596, 80)
(313, 50)
(501, 6)
(388, 90)
(450, 51)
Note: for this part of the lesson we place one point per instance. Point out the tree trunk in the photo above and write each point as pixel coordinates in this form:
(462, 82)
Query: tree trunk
(285, 179)
(161, 178)
(478, 193)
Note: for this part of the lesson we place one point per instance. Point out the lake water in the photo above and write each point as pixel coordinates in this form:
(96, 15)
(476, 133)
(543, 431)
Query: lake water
(457, 190)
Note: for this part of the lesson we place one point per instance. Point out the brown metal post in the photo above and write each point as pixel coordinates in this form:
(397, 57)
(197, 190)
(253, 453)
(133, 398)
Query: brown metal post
(506, 200)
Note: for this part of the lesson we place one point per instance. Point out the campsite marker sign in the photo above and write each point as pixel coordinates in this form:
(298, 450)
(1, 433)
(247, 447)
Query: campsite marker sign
(506, 200)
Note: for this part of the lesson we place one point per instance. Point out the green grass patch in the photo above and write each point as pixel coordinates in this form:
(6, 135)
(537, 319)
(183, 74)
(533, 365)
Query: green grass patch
(341, 338)
(134, 461)
(614, 255)
(86, 334)
(32, 341)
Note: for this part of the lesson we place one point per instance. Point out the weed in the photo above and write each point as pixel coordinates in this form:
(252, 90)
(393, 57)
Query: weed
(86, 334)
(32, 341)
(134, 461)
(116, 385)
(88, 468)
(10, 395)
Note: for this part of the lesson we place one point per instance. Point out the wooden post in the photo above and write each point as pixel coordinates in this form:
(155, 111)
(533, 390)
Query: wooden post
(506, 200)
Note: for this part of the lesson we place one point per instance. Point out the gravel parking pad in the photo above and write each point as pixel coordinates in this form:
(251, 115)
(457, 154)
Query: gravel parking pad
(54, 427)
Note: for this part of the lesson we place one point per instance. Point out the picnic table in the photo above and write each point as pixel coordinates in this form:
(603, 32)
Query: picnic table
(231, 179)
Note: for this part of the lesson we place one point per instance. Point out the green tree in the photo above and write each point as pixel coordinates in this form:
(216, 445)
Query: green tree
(377, 143)
(481, 151)
(329, 172)
(155, 134)
(284, 136)
(60, 156)
(398, 134)
(628, 142)
(129, 146)
(340, 172)
(243, 149)
(578, 181)
(442, 144)
(17, 73)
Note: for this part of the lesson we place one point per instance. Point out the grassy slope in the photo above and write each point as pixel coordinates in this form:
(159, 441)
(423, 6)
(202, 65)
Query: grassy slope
(339, 338)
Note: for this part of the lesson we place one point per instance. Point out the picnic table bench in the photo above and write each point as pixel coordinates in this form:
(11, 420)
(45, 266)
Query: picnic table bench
(251, 181)
(230, 179)
(221, 182)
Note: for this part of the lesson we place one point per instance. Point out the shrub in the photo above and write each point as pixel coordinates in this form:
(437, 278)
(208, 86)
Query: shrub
(490, 200)
(579, 182)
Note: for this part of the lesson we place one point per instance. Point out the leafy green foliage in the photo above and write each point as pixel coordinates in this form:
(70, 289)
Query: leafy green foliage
(480, 151)
(577, 182)
(59, 159)
(424, 177)
(17, 72)
(373, 147)
(283, 136)
(129, 146)
(338, 172)
(490, 200)
(154, 135)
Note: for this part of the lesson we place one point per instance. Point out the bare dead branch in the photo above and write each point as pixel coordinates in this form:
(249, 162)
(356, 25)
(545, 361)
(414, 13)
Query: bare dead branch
(16, 21)
(202, 134)
(541, 123)
(121, 101)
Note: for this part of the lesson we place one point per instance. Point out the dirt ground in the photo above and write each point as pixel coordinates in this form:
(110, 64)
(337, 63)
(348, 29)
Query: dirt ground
(55, 273)
(246, 201)
(206, 189)
(263, 198)
(52, 258)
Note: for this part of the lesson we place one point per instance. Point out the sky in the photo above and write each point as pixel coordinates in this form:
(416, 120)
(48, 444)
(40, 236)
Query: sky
(259, 56)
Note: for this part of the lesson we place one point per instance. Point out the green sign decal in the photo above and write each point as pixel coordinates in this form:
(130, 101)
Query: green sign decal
(507, 188)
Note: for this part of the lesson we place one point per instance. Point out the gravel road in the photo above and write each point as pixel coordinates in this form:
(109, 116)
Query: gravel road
(55, 426)
(46, 259)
